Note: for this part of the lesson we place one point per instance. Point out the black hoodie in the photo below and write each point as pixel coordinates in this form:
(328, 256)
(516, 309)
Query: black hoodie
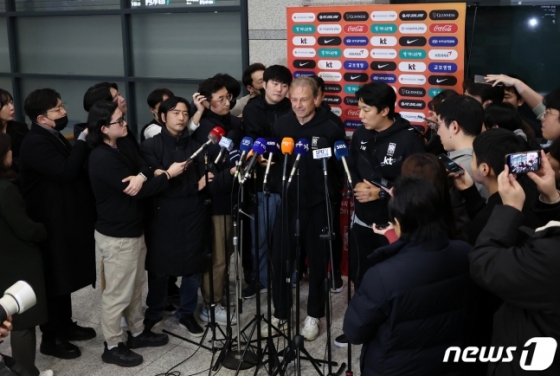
(380, 155)
(311, 171)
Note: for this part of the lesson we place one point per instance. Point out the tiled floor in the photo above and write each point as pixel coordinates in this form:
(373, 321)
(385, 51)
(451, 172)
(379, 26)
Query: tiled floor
(158, 361)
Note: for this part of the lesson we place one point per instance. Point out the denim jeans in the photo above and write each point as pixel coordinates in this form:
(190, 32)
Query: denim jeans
(265, 222)
(157, 295)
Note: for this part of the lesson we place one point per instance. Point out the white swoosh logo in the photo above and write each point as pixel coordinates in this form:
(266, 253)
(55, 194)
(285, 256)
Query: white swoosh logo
(303, 64)
(411, 41)
(328, 40)
(382, 66)
(440, 81)
(354, 77)
(363, 143)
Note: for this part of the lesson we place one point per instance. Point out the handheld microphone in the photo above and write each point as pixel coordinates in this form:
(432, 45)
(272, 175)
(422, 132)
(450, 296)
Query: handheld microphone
(214, 137)
(234, 156)
(301, 150)
(16, 299)
(341, 152)
(226, 145)
(271, 149)
(259, 148)
(245, 146)
(322, 151)
(287, 149)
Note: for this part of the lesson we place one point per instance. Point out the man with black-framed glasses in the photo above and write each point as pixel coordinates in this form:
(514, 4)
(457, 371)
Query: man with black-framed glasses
(58, 195)
(217, 113)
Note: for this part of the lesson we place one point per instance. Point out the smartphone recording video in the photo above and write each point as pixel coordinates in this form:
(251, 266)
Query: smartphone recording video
(522, 163)
(478, 79)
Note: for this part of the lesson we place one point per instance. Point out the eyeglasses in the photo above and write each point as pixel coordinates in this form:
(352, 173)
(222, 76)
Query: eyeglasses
(120, 122)
(58, 108)
(549, 113)
(225, 99)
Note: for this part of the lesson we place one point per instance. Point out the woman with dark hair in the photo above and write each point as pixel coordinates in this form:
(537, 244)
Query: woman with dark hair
(22, 260)
(120, 179)
(411, 305)
(504, 115)
(14, 129)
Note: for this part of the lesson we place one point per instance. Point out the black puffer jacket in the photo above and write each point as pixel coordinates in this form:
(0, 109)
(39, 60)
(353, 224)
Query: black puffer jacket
(410, 308)
(526, 278)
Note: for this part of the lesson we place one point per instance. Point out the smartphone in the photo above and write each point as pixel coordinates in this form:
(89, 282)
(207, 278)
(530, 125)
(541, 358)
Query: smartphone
(382, 183)
(478, 79)
(450, 165)
(522, 163)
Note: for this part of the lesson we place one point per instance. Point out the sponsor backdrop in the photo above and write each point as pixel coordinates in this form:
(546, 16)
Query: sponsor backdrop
(417, 49)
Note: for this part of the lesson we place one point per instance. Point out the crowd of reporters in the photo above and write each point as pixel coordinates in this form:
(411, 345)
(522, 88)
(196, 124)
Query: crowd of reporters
(439, 257)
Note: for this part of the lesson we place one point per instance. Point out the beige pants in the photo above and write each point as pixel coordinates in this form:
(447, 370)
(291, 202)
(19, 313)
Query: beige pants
(125, 277)
(219, 257)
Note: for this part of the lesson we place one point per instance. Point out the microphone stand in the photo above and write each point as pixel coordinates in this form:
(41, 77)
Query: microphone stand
(348, 195)
(211, 326)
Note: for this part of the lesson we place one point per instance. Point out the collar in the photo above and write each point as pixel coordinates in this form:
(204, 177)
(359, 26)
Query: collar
(460, 153)
(548, 225)
(50, 129)
(383, 253)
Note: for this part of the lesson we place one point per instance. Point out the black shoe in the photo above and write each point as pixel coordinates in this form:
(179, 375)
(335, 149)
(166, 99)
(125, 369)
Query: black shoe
(74, 332)
(341, 341)
(60, 348)
(337, 282)
(189, 322)
(121, 356)
(147, 339)
(251, 291)
(149, 323)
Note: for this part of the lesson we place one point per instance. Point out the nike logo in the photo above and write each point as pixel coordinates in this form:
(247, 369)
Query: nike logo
(354, 77)
(363, 142)
(382, 66)
(411, 41)
(440, 81)
(303, 64)
(328, 41)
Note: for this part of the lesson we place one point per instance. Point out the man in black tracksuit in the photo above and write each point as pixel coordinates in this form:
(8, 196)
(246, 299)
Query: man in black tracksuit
(217, 114)
(378, 149)
(259, 116)
(312, 124)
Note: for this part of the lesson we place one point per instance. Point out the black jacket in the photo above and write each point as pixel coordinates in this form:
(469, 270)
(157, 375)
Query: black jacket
(312, 187)
(57, 193)
(179, 229)
(20, 254)
(259, 118)
(380, 155)
(120, 215)
(526, 278)
(221, 202)
(410, 308)
(17, 132)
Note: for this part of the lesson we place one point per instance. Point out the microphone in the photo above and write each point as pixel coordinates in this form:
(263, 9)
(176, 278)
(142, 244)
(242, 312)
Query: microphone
(322, 151)
(272, 149)
(302, 148)
(245, 146)
(214, 137)
(259, 148)
(341, 152)
(226, 144)
(287, 149)
(234, 156)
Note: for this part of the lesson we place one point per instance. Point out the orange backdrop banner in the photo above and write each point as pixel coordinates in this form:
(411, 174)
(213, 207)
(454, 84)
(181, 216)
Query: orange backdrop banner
(418, 49)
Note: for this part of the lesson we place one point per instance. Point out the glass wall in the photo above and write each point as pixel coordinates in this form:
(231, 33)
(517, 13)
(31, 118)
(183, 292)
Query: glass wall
(139, 44)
